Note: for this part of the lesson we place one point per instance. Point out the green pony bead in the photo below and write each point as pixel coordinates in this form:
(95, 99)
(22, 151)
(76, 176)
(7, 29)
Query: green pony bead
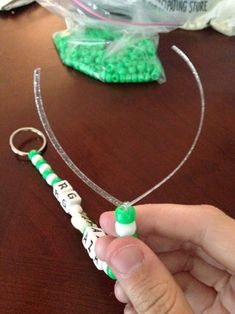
(115, 78)
(56, 180)
(32, 153)
(108, 78)
(110, 273)
(39, 163)
(46, 173)
(125, 214)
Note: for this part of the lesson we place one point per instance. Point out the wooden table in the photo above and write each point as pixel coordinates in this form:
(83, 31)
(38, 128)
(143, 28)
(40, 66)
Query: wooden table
(124, 137)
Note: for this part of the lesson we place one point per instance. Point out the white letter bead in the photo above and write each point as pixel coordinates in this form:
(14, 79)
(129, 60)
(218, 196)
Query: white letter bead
(98, 263)
(124, 230)
(75, 209)
(36, 158)
(50, 178)
(81, 222)
(89, 239)
(61, 187)
(69, 199)
(44, 167)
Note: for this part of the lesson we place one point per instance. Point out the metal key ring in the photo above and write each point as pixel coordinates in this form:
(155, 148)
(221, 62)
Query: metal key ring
(26, 129)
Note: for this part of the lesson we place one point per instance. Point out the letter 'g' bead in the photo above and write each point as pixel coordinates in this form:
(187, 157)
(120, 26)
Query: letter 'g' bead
(69, 199)
(61, 187)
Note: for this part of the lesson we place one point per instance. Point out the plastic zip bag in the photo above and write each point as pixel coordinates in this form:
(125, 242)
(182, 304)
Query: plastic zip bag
(112, 43)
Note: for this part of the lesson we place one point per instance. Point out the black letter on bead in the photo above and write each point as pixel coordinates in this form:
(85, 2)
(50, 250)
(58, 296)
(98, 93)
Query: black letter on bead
(89, 247)
(71, 195)
(85, 238)
(63, 185)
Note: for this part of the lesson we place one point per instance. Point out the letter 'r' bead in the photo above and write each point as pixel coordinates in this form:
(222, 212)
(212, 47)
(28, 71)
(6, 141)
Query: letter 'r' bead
(60, 188)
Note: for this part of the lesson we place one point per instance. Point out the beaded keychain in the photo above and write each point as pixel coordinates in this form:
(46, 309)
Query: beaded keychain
(69, 199)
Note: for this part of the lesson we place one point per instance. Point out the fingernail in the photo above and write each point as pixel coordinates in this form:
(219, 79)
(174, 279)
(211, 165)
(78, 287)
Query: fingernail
(126, 259)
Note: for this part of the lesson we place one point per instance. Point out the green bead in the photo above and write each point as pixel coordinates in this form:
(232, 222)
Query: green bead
(46, 173)
(32, 153)
(132, 70)
(128, 78)
(134, 78)
(140, 78)
(146, 77)
(74, 54)
(125, 214)
(76, 65)
(108, 78)
(115, 78)
(112, 60)
(149, 67)
(100, 52)
(141, 67)
(155, 75)
(56, 180)
(110, 273)
(109, 68)
(121, 70)
(122, 78)
(39, 163)
(87, 60)
(127, 62)
(98, 60)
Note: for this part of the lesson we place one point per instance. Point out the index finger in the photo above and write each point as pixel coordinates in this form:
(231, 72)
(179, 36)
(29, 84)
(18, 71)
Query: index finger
(203, 225)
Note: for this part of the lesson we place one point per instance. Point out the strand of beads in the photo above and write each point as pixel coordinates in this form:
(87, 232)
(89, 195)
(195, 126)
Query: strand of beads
(70, 201)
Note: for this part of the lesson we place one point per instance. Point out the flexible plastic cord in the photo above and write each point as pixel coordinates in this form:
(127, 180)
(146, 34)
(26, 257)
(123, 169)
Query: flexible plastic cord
(80, 174)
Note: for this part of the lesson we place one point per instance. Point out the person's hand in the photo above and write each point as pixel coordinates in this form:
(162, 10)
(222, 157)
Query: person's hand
(183, 261)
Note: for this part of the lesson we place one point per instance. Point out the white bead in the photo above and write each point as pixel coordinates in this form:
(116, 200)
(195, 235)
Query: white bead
(36, 158)
(60, 188)
(44, 167)
(69, 199)
(124, 230)
(81, 222)
(104, 267)
(89, 239)
(50, 178)
(98, 263)
(75, 209)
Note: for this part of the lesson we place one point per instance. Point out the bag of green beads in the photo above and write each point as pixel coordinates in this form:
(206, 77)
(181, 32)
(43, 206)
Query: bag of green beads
(107, 43)
(93, 52)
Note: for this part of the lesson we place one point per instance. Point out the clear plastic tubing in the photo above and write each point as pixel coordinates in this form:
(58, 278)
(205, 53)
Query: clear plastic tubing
(96, 188)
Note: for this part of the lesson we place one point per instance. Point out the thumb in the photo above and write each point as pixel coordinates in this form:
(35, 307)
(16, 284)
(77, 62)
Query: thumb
(144, 279)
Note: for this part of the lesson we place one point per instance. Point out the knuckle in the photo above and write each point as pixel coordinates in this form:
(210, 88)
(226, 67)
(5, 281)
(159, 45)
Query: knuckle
(209, 208)
(158, 298)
